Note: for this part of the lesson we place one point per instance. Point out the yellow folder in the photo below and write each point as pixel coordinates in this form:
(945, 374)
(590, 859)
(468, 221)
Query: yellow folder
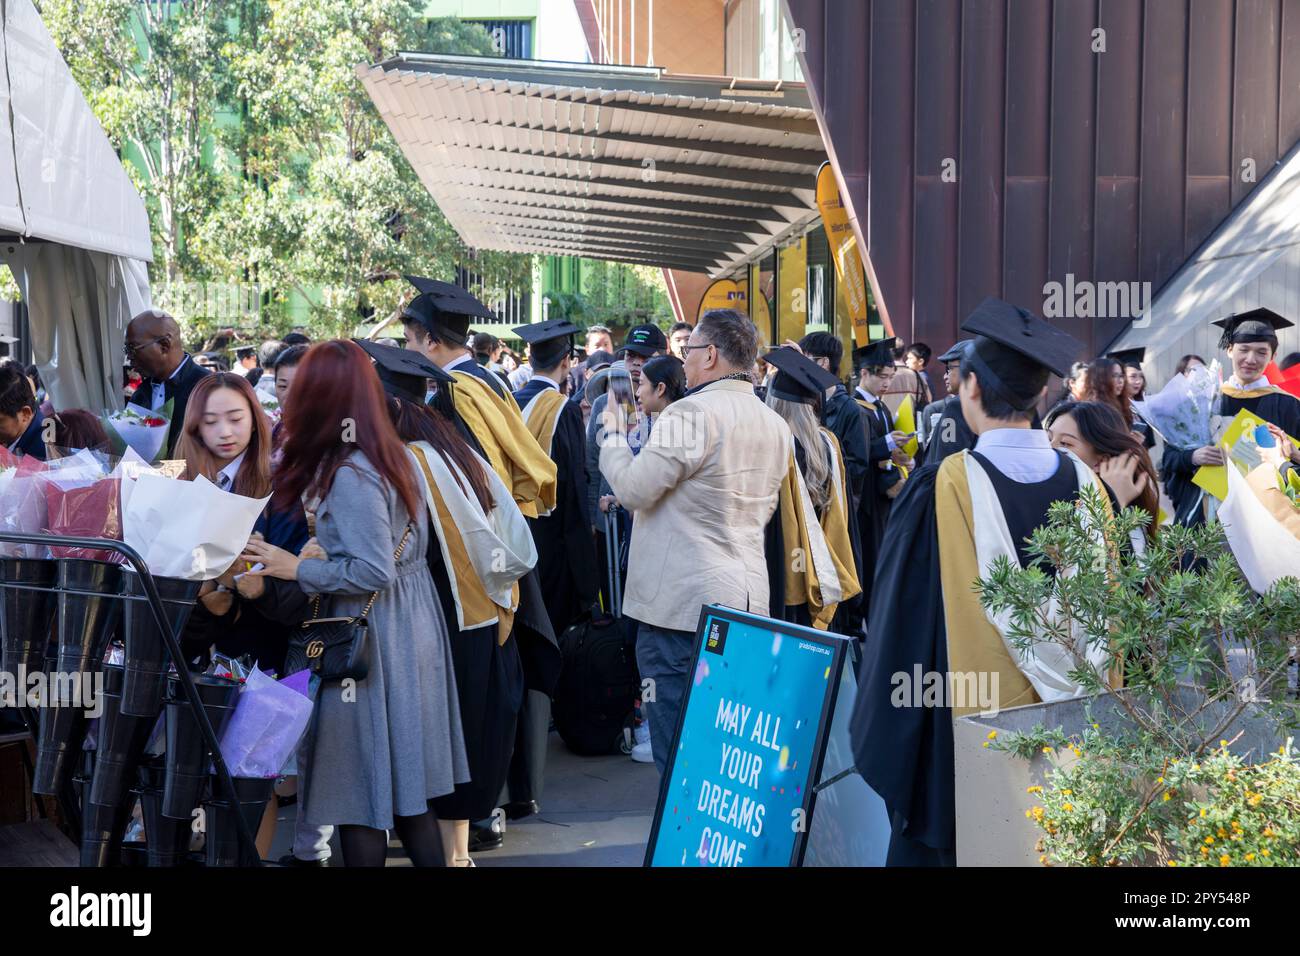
(905, 421)
(1214, 478)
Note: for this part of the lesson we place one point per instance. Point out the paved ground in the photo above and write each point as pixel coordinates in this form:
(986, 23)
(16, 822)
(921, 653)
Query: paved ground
(596, 811)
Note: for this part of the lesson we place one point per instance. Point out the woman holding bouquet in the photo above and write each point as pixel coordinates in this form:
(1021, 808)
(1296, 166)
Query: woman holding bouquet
(226, 439)
(387, 744)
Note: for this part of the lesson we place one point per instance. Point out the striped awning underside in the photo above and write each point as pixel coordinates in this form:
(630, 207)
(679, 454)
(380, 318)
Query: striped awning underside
(619, 163)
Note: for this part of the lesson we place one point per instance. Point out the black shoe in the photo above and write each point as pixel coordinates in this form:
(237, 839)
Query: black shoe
(290, 860)
(518, 809)
(482, 839)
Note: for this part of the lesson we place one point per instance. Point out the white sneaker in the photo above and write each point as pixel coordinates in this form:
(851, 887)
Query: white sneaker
(641, 753)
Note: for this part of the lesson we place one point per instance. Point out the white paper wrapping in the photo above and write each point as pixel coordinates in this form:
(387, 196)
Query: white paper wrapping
(1266, 551)
(146, 440)
(187, 529)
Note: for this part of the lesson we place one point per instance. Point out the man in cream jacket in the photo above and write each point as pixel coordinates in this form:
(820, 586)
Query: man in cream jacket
(701, 490)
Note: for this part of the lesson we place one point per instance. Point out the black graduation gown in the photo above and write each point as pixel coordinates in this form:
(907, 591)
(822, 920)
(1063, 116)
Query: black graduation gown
(873, 513)
(950, 434)
(906, 753)
(1280, 408)
(845, 419)
(486, 669)
(566, 558)
(490, 688)
(176, 389)
(1177, 470)
(848, 614)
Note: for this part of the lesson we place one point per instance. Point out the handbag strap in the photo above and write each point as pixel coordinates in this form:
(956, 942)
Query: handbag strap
(374, 595)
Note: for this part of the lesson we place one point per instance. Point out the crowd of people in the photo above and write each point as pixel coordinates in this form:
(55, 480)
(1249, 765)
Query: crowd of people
(459, 500)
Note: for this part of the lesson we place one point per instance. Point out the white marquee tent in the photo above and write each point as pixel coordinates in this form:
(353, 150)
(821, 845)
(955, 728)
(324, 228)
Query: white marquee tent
(73, 229)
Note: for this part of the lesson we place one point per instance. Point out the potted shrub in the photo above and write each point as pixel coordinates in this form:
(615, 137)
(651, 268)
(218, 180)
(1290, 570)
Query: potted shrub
(1190, 763)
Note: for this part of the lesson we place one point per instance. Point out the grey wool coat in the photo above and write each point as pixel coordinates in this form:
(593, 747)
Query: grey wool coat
(393, 741)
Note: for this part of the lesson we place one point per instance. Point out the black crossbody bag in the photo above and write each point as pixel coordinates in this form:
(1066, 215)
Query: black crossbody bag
(335, 648)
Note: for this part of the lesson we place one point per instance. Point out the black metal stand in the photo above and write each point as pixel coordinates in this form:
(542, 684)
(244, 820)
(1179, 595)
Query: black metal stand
(247, 841)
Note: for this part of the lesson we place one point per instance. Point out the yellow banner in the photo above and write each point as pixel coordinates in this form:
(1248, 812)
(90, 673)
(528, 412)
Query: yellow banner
(758, 307)
(792, 291)
(844, 251)
(724, 294)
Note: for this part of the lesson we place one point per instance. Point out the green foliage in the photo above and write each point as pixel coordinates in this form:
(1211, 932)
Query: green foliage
(573, 306)
(619, 293)
(1126, 803)
(152, 74)
(262, 159)
(1198, 650)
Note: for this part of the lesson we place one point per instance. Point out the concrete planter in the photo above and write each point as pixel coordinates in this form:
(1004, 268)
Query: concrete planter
(992, 829)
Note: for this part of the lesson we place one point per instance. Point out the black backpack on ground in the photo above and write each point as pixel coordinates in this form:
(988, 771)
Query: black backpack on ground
(594, 702)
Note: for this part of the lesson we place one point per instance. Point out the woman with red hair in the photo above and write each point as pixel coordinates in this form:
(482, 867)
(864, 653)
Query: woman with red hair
(386, 745)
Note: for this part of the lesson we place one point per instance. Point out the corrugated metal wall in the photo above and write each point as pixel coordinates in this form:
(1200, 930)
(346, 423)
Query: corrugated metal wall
(1277, 287)
(1110, 165)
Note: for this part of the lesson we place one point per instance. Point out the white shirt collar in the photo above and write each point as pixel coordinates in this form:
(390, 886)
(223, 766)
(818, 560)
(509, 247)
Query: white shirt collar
(1013, 438)
(177, 370)
(458, 362)
(867, 395)
(539, 377)
(1234, 382)
(231, 470)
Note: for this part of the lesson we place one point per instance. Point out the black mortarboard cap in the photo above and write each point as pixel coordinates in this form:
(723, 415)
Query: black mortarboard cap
(875, 353)
(798, 378)
(955, 353)
(444, 309)
(548, 342)
(403, 372)
(1129, 357)
(1257, 325)
(1017, 350)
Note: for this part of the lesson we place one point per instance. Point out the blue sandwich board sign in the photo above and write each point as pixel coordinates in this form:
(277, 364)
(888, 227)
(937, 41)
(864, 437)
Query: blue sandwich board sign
(738, 788)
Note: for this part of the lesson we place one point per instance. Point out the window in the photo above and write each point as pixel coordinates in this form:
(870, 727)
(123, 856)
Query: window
(512, 38)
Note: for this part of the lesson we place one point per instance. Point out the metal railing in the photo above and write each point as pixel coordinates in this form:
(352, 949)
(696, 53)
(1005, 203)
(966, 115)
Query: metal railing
(247, 843)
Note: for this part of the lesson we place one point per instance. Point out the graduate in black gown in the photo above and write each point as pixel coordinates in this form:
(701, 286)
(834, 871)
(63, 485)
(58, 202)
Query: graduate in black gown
(566, 559)
(436, 324)
(809, 541)
(459, 487)
(874, 366)
(924, 612)
(847, 421)
(1135, 381)
(1250, 339)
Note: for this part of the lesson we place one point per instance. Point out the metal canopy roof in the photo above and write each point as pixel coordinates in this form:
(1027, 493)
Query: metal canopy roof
(607, 162)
